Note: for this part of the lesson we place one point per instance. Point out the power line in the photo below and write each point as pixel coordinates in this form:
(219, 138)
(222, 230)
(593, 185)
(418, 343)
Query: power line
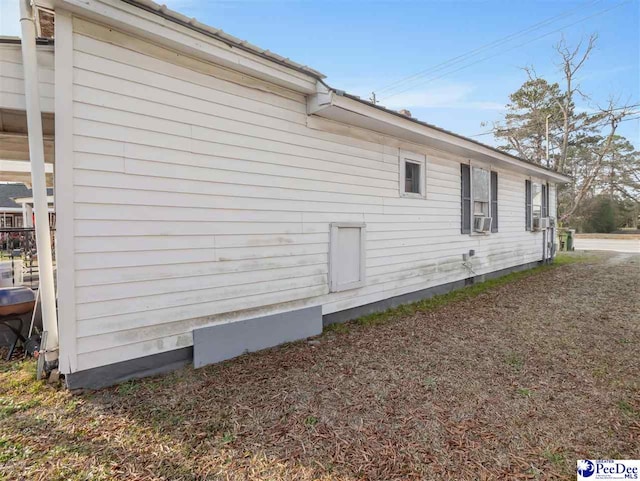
(483, 133)
(508, 50)
(500, 41)
(491, 132)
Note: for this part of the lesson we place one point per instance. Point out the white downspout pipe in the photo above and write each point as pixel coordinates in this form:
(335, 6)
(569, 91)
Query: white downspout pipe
(39, 181)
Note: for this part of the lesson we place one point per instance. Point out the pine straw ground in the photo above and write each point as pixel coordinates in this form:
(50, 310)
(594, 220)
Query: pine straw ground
(513, 381)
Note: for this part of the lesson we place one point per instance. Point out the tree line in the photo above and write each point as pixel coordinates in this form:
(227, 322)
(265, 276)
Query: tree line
(543, 125)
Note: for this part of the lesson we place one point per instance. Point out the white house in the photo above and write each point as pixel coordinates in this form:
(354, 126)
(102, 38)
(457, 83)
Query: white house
(214, 198)
(16, 206)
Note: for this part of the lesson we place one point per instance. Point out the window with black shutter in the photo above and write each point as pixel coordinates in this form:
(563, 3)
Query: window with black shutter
(548, 202)
(494, 201)
(545, 200)
(465, 189)
(527, 210)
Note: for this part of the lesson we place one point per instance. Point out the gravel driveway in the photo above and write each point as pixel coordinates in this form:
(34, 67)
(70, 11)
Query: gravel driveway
(517, 382)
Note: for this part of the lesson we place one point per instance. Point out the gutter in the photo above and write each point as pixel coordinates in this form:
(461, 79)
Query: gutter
(39, 186)
(16, 40)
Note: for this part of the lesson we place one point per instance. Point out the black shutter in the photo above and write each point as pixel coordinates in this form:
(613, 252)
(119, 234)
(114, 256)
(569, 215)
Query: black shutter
(465, 188)
(544, 201)
(527, 210)
(494, 201)
(547, 200)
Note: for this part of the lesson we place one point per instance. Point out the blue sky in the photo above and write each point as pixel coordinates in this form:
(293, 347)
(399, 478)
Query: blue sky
(364, 46)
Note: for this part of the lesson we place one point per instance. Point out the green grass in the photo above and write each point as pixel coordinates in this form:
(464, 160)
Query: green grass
(515, 360)
(524, 392)
(9, 407)
(465, 293)
(10, 451)
(227, 438)
(430, 383)
(554, 457)
(628, 409)
(129, 388)
(311, 421)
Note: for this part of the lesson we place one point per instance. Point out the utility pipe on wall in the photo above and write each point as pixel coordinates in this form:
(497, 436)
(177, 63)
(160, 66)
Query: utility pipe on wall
(38, 180)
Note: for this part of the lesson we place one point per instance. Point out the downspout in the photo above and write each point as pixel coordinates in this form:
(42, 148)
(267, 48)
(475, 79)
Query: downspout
(39, 183)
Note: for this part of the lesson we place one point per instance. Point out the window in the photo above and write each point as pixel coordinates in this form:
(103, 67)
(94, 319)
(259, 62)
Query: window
(479, 195)
(412, 174)
(347, 261)
(480, 191)
(536, 200)
(411, 178)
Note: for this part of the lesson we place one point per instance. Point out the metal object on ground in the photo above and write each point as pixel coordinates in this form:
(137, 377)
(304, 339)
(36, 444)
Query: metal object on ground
(40, 367)
(14, 303)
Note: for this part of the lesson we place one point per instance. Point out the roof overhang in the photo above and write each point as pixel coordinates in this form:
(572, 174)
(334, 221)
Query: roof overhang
(339, 107)
(29, 200)
(20, 171)
(162, 26)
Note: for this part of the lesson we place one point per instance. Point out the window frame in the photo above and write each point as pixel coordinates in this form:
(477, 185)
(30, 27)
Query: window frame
(529, 206)
(472, 201)
(416, 159)
(539, 189)
(544, 211)
(334, 227)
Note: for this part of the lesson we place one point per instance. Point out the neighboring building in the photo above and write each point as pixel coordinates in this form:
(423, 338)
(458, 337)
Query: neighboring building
(16, 206)
(215, 198)
(11, 214)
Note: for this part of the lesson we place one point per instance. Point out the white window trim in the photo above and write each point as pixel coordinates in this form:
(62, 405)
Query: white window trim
(472, 207)
(334, 286)
(539, 184)
(414, 158)
(533, 182)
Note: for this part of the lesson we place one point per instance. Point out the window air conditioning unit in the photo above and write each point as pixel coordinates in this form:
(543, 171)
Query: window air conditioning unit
(552, 221)
(541, 223)
(482, 224)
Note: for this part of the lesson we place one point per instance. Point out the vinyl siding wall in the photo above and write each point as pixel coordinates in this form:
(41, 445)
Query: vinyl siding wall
(202, 196)
(12, 77)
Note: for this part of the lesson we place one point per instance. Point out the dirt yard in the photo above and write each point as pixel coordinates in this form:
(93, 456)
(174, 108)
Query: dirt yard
(512, 382)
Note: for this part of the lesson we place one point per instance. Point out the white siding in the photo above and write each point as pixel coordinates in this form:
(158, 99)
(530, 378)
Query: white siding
(201, 196)
(12, 78)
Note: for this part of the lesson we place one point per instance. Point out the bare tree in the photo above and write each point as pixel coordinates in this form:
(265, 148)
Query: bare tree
(585, 178)
(572, 60)
(583, 141)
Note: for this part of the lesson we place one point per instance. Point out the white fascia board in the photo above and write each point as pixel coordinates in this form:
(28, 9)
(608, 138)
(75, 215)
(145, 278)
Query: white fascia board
(29, 200)
(161, 31)
(21, 166)
(351, 112)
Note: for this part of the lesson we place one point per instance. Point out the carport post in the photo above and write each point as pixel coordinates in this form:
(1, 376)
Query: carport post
(38, 181)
